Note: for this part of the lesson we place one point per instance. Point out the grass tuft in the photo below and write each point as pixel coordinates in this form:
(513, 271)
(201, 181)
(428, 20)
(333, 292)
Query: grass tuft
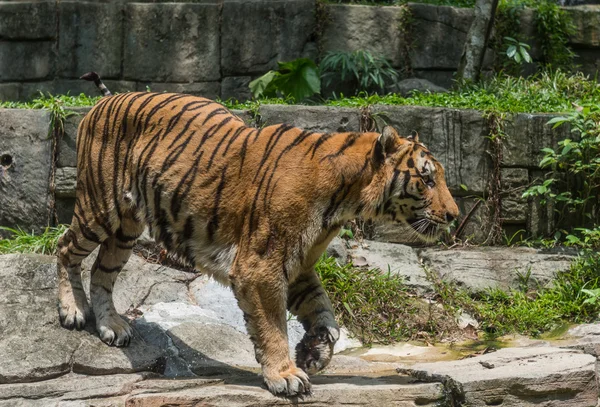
(23, 242)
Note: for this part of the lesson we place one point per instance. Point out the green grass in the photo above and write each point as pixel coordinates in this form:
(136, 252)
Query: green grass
(48, 101)
(555, 92)
(378, 307)
(535, 310)
(544, 93)
(23, 242)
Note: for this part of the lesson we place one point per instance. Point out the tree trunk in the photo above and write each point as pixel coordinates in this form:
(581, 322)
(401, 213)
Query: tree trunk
(477, 39)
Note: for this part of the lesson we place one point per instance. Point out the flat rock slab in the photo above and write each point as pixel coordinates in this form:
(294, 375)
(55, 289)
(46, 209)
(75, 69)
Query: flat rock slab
(395, 258)
(532, 376)
(482, 268)
(327, 391)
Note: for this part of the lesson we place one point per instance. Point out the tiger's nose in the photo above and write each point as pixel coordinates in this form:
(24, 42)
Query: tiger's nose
(449, 217)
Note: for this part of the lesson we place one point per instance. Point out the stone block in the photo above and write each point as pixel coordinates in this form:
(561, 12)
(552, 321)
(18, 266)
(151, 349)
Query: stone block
(514, 208)
(25, 161)
(67, 148)
(27, 20)
(26, 60)
(10, 91)
(172, 42)
(398, 259)
(526, 135)
(457, 138)
(439, 34)
(373, 29)
(587, 26)
(258, 33)
(314, 118)
(31, 90)
(90, 39)
(65, 181)
(588, 61)
(78, 86)
(477, 226)
(481, 268)
(524, 377)
(236, 87)
(209, 90)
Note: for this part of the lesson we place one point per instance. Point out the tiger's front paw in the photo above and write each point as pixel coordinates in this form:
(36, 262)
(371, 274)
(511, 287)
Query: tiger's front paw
(315, 350)
(114, 330)
(291, 382)
(72, 312)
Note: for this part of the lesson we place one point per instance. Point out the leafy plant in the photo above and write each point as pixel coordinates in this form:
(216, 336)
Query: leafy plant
(298, 79)
(517, 51)
(573, 181)
(554, 27)
(362, 70)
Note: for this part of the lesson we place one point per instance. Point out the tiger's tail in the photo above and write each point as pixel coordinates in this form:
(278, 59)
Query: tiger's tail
(93, 76)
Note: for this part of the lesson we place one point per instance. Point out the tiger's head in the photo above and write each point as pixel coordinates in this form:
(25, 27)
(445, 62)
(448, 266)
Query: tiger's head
(415, 191)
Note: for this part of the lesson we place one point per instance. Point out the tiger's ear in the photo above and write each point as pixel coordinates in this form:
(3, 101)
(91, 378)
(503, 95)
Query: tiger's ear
(414, 137)
(386, 144)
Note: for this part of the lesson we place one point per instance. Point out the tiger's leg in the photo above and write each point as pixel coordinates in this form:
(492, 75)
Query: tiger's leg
(260, 288)
(309, 302)
(73, 247)
(113, 255)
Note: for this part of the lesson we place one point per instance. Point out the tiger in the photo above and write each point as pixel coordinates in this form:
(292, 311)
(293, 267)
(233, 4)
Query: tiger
(254, 208)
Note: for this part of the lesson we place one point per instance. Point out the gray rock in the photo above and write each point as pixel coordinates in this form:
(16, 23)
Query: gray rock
(313, 118)
(25, 160)
(441, 35)
(65, 180)
(209, 90)
(39, 24)
(395, 258)
(514, 208)
(26, 60)
(521, 377)
(10, 91)
(480, 268)
(338, 249)
(587, 23)
(526, 135)
(219, 301)
(171, 42)
(246, 115)
(90, 39)
(373, 29)
(283, 33)
(406, 86)
(28, 310)
(458, 139)
(67, 148)
(327, 392)
(236, 87)
(72, 387)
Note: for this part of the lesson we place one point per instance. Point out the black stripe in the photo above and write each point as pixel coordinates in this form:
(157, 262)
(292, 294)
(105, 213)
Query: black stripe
(350, 140)
(213, 224)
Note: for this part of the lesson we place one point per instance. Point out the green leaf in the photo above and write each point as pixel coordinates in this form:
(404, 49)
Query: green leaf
(298, 78)
(259, 87)
(525, 54)
(511, 51)
(464, 187)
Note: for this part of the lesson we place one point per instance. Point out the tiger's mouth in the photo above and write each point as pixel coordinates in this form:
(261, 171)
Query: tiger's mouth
(426, 229)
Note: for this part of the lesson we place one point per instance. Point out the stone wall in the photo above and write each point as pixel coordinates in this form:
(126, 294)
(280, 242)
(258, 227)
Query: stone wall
(215, 47)
(458, 138)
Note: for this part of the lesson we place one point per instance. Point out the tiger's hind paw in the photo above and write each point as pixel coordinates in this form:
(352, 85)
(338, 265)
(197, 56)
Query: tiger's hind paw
(315, 350)
(114, 330)
(290, 383)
